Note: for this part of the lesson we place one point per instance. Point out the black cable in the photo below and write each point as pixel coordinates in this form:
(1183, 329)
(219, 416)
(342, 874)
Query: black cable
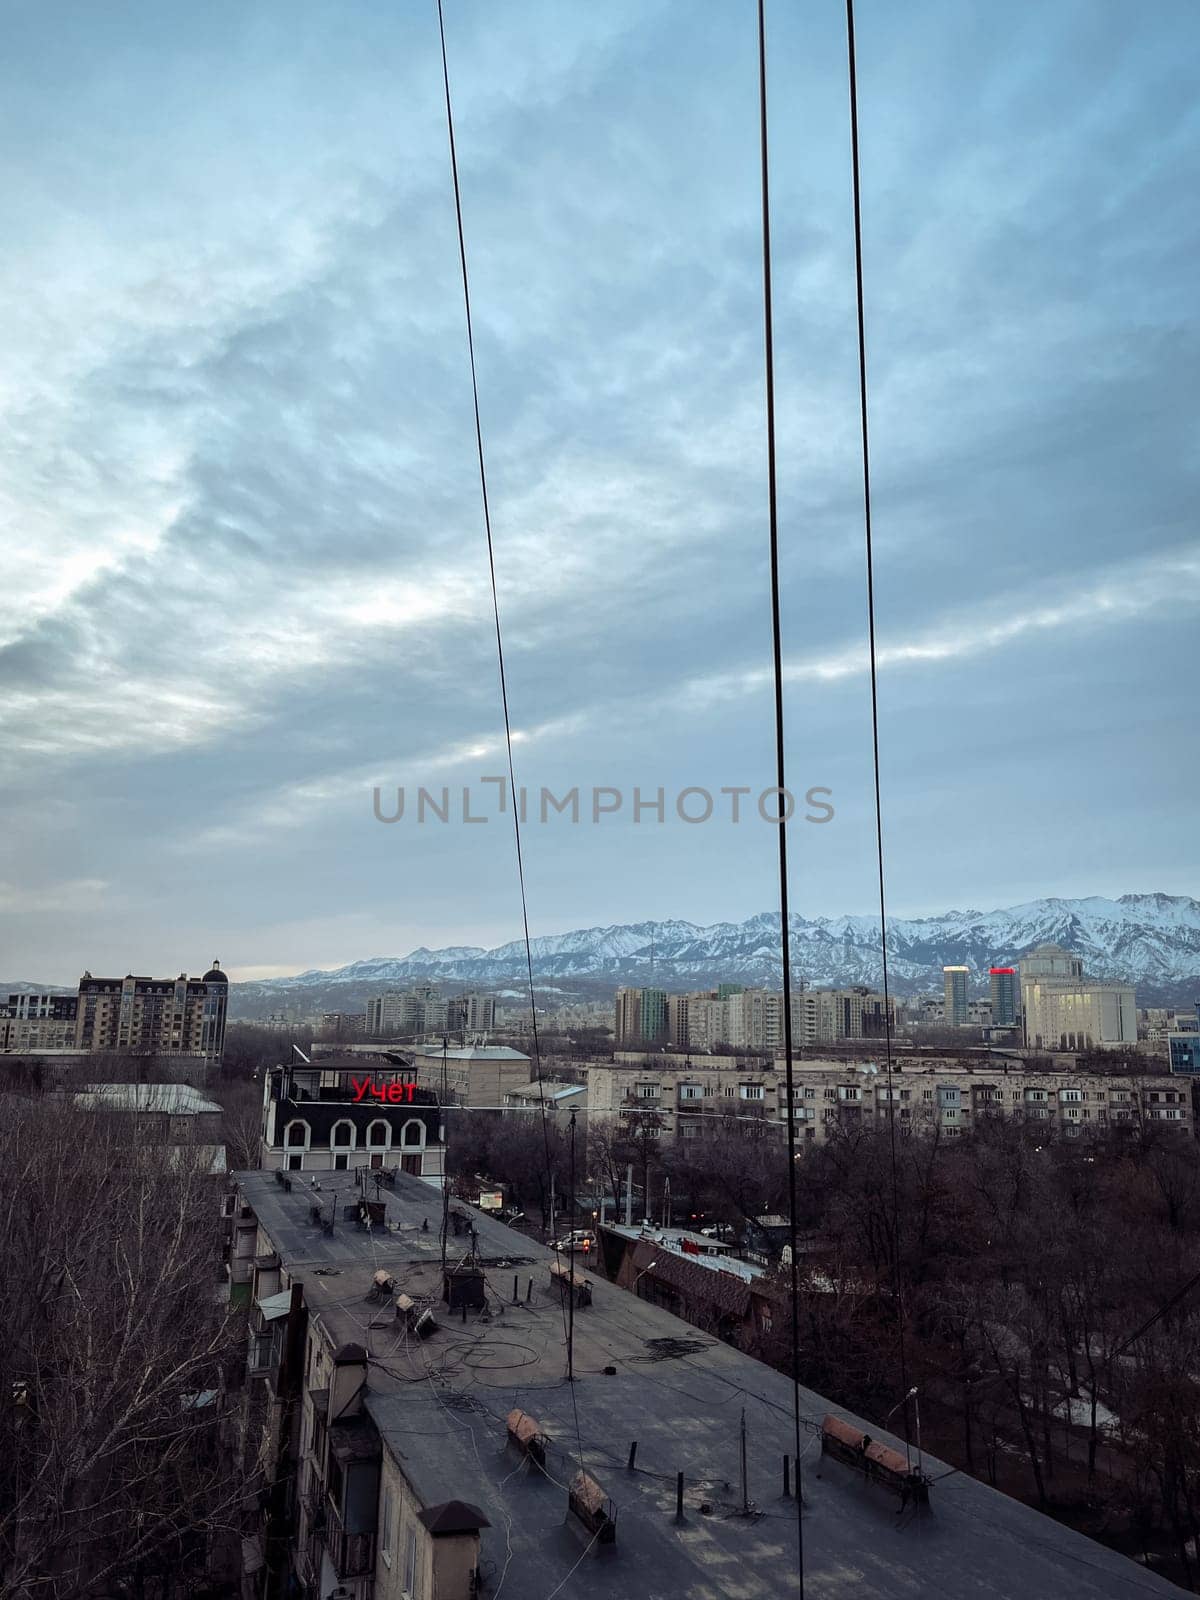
(866, 462)
(487, 523)
(1150, 1321)
(780, 778)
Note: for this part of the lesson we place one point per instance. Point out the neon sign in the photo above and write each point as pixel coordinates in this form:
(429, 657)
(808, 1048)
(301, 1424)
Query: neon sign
(392, 1094)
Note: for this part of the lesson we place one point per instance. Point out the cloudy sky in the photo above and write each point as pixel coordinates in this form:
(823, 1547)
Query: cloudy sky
(244, 566)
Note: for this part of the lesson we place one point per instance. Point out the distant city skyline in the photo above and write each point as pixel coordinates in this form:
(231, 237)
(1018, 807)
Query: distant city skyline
(245, 571)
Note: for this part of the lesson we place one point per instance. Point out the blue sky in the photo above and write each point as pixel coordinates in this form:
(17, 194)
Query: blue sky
(244, 560)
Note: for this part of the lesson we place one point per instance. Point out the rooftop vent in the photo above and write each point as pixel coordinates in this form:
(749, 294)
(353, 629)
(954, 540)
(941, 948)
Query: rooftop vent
(588, 1501)
(527, 1436)
(425, 1324)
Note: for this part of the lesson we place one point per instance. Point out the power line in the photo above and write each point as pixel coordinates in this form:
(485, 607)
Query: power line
(870, 556)
(780, 778)
(487, 523)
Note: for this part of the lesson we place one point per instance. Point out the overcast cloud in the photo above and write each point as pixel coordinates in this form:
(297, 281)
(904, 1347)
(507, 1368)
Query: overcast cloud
(244, 563)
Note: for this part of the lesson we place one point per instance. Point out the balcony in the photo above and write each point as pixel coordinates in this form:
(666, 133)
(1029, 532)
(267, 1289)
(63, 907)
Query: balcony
(352, 1554)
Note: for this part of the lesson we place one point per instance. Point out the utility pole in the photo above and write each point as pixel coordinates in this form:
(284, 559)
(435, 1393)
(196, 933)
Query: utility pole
(445, 1173)
(571, 1268)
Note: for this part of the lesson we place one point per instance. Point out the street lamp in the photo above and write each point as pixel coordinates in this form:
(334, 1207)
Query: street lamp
(642, 1274)
(911, 1395)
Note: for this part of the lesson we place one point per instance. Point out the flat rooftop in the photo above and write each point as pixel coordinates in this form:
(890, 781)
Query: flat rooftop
(441, 1404)
(708, 1252)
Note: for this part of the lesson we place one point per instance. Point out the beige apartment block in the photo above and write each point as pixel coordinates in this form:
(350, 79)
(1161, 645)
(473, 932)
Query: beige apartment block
(690, 1099)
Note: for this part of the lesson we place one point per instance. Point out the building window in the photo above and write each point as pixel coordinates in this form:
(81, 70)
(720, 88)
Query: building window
(341, 1161)
(378, 1132)
(295, 1163)
(342, 1133)
(296, 1133)
(410, 1565)
(413, 1132)
(752, 1091)
(385, 1528)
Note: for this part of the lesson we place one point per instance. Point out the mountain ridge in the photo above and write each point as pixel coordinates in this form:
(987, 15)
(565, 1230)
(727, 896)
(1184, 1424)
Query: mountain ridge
(1151, 940)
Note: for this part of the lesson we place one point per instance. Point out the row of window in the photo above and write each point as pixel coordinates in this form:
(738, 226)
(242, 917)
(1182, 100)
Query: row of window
(343, 1135)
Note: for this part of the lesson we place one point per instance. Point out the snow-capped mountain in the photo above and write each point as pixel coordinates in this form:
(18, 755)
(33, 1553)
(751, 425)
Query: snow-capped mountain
(1152, 940)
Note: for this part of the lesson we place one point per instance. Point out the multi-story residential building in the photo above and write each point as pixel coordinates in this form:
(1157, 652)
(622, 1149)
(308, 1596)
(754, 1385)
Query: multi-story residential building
(153, 1016)
(402, 1407)
(831, 1016)
(31, 1022)
(409, 1013)
(1004, 997)
(956, 980)
(344, 1024)
(752, 1019)
(641, 1016)
(470, 1075)
(340, 1114)
(479, 1012)
(389, 1013)
(693, 1098)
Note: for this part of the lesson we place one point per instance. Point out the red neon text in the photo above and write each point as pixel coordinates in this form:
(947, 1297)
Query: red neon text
(394, 1094)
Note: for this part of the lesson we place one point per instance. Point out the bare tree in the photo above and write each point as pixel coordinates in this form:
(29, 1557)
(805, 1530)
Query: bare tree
(116, 1360)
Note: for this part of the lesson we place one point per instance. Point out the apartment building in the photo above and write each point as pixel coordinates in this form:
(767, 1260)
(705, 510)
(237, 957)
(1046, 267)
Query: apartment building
(692, 1099)
(343, 1024)
(402, 1408)
(471, 1075)
(752, 1019)
(31, 1022)
(154, 1016)
(346, 1114)
(640, 1016)
(408, 1013)
(955, 981)
(1005, 996)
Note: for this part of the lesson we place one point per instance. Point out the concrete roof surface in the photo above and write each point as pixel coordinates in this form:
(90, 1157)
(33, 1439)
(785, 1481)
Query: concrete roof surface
(441, 1404)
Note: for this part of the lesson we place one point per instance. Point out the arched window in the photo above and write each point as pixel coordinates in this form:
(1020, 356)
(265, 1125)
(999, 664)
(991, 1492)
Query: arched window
(413, 1132)
(378, 1133)
(296, 1133)
(342, 1133)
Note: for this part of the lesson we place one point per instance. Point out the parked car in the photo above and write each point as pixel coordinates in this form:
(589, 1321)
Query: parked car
(581, 1239)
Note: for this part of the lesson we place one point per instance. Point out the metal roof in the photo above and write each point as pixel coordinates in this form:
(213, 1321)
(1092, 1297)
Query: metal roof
(177, 1099)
